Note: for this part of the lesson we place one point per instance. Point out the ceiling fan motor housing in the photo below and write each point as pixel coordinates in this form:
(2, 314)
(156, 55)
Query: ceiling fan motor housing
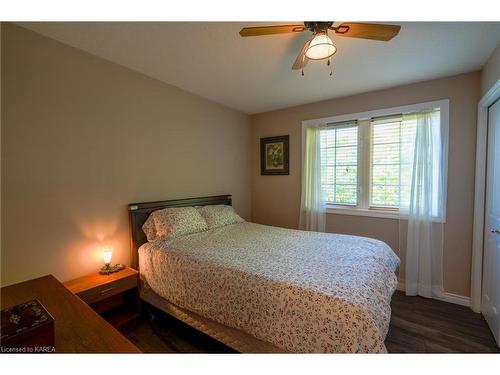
(316, 26)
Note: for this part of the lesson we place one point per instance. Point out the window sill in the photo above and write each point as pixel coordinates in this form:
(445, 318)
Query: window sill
(384, 214)
(345, 210)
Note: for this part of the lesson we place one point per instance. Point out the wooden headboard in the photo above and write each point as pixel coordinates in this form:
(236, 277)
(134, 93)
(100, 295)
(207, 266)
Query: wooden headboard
(139, 212)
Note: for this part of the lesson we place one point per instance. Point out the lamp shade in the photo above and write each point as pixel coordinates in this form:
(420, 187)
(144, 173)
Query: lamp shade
(321, 47)
(107, 253)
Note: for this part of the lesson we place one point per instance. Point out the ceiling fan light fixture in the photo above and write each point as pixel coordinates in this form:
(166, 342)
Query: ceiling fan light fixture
(321, 47)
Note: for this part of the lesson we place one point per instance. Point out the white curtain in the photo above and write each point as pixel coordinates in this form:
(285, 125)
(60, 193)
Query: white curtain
(313, 208)
(422, 200)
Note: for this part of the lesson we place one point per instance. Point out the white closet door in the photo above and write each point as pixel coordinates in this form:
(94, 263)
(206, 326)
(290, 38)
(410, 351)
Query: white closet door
(491, 266)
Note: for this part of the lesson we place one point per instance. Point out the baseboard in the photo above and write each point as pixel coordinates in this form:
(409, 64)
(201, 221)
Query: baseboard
(443, 296)
(454, 298)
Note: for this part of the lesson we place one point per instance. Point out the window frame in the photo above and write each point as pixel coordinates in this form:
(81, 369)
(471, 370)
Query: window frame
(364, 154)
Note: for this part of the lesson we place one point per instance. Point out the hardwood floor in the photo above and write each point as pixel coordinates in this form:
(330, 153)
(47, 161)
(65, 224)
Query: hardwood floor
(422, 325)
(418, 325)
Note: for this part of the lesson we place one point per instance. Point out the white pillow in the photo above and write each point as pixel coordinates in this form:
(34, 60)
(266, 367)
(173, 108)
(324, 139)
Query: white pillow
(219, 215)
(174, 222)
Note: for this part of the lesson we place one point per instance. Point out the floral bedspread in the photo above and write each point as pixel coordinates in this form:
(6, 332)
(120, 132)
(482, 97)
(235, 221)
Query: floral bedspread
(302, 291)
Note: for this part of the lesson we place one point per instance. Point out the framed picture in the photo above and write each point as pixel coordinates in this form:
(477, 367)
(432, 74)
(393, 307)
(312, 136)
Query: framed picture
(274, 152)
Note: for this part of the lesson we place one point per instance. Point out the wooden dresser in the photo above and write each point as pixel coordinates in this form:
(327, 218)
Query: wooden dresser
(78, 328)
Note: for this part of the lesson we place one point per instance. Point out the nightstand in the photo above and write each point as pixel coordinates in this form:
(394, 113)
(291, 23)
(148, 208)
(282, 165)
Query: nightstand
(115, 296)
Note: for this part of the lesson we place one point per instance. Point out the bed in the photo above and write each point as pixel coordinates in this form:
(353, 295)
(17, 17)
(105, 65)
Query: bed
(262, 289)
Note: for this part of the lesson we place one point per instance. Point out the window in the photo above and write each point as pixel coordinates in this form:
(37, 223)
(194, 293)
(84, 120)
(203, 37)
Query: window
(339, 163)
(367, 159)
(391, 149)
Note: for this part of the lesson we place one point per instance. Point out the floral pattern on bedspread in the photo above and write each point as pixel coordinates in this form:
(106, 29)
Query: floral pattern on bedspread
(302, 291)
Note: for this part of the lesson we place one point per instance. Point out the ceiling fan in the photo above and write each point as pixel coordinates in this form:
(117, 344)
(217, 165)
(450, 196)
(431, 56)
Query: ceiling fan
(320, 46)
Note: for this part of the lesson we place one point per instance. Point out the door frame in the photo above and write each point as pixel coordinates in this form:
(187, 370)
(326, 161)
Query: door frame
(480, 194)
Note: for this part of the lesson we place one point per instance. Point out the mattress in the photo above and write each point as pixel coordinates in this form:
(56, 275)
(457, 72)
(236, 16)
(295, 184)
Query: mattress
(304, 292)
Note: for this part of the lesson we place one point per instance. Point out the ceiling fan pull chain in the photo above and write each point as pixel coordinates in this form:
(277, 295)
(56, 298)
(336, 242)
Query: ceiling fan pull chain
(330, 70)
(302, 72)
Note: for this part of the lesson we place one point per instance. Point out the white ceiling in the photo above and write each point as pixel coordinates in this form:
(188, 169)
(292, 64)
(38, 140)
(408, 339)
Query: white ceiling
(254, 74)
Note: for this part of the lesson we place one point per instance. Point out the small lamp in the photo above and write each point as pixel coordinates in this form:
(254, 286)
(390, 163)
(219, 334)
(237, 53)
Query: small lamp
(107, 253)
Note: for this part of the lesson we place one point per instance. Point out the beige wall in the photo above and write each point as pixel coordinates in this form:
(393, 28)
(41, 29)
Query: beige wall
(491, 71)
(276, 199)
(83, 137)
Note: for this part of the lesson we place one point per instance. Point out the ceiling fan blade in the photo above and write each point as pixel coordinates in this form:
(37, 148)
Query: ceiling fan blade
(374, 31)
(268, 30)
(301, 59)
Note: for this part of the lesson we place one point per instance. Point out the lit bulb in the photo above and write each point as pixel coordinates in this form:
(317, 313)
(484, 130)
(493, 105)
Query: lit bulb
(107, 253)
(321, 47)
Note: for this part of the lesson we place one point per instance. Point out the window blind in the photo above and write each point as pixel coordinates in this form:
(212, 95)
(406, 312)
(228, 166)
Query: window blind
(385, 155)
(339, 163)
(392, 145)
